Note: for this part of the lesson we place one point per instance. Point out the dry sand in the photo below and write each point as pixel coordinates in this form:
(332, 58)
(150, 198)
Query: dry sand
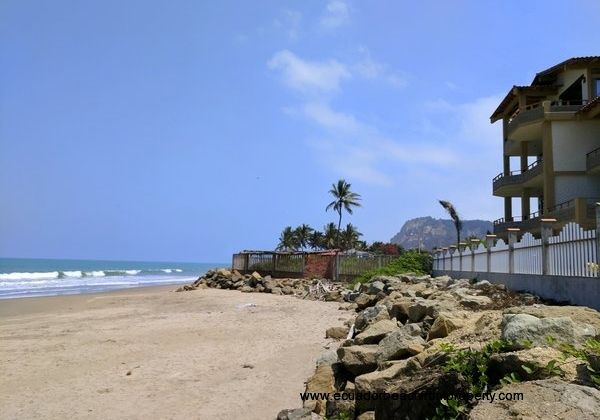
(151, 353)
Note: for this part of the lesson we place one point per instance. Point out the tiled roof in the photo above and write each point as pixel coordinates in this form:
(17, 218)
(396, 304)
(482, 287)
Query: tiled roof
(594, 103)
(570, 62)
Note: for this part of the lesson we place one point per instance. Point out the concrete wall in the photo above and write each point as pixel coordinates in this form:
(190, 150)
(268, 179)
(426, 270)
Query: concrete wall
(583, 291)
(571, 141)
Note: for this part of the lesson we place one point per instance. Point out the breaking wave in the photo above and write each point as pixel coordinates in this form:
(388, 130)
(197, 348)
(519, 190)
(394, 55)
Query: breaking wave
(47, 275)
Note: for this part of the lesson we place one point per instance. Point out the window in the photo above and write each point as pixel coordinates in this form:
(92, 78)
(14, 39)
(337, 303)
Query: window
(596, 87)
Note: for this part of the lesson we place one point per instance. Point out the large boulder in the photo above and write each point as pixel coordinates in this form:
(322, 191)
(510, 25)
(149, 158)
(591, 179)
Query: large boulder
(322, 381)
(544, 399)
(579, 314)
(374, 333)
(381, 381)
(298, 414)
(400, 344)
(415, 391)
(376, 287)
(358, 359)
(523, 329)
(338, 333)
(364, 301)
(443, 325)
(370, 316)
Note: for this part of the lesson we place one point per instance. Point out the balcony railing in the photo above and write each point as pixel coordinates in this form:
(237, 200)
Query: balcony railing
(535, 111)
(593, 159)
(563, 212)
(518, 177)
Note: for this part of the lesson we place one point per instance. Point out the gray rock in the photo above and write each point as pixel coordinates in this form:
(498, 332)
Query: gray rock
(298, 414)
(328, 357)
(376, 287)
(338, 333)
(358, 359)
(400, 345)
(544, 399)
(521, 328)
(364, 301)
(370, 316)
(374, 333)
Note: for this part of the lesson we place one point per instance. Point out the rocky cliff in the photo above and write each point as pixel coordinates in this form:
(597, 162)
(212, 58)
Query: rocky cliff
(433, 233)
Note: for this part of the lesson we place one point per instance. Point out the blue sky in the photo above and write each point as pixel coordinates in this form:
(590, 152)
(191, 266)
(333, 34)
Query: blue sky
(187, 130)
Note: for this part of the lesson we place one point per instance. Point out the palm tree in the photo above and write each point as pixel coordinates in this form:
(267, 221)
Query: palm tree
(455, 217)
(330, 235)
(288, 240)
(350, 236)
(303, 235)
(344, 199)
(315, 240)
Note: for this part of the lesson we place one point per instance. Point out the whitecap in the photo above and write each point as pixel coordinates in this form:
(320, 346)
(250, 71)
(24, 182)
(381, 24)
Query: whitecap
(72, 273)
(132, 272)
(95, 273)
(29, 276)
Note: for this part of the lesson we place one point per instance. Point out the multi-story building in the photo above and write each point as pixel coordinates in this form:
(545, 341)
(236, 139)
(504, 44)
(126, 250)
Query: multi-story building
(551, 130)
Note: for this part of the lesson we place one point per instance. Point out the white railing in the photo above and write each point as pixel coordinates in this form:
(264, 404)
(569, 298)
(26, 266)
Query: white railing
(572, 252)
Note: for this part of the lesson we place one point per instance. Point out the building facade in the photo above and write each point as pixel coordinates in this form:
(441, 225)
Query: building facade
(551, 147)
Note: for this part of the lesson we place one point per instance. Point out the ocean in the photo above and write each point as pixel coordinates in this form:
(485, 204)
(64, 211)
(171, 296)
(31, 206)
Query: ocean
(26, 277)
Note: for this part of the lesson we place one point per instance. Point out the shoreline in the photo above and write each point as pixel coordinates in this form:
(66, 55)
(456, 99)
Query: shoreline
(151, 352)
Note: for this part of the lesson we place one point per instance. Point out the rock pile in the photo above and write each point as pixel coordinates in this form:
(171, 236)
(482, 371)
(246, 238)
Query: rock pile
(398, 343)
(316, 289)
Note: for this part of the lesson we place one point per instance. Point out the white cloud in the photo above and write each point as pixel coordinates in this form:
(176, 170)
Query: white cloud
(309, 76)
(337, 13)
(371, 69)
(290, 21)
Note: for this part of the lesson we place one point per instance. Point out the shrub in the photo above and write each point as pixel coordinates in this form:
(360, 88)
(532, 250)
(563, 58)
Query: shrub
(409, 262)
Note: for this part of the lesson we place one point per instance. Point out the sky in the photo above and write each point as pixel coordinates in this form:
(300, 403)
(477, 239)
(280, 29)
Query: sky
(189, 130)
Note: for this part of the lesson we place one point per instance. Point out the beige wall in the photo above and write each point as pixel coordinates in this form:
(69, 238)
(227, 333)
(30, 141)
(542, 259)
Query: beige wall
(571, 141)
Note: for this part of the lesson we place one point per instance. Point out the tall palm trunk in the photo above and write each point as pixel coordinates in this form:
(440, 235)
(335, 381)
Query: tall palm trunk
(339, 227)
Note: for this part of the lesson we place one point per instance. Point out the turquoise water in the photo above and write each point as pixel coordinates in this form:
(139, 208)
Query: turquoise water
(26, 277)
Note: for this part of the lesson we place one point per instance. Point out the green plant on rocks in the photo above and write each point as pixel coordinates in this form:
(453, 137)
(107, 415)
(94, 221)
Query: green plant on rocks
(409, 262)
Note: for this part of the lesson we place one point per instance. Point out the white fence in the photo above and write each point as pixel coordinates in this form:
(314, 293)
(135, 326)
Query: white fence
(573, 252)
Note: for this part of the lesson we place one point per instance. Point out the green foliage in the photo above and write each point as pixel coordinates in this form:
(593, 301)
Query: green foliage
(473, 364)
(511, 378)
(409, 262)
(450, 408)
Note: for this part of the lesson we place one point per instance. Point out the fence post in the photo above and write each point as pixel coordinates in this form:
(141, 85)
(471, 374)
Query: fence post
(513, 234)
(303, 263)
(246, 262)
(461, 248)
(489, 243)
(274, 263)
(473, 244)
(597, 236)
(336, 272)
(546, 234)
(452, 251)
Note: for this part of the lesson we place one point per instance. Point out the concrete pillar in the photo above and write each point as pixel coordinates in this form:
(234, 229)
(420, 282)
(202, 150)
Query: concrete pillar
(546, 234)
(461, 249)
(513, 236)
(489, 243)
(508, 209)
(598, 236)
(506, 166)
(525, 204)
(524, 163)
(581, 211)
(474, 245)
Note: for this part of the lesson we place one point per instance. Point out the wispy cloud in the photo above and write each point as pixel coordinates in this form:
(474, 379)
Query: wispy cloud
(309, 76)
(369, 68)
(337, 13)
(290, 21)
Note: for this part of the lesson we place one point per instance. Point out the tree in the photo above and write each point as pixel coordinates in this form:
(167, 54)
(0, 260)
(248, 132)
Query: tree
(315, 240)
(350, 236)
(344, 199)
(288, 240)
(455, 217)
(303, 235)
(330, 235)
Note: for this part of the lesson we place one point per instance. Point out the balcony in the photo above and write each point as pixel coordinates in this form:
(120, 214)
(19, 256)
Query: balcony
(526, 124)
(580, 210)
(593, 161)
(512, 185)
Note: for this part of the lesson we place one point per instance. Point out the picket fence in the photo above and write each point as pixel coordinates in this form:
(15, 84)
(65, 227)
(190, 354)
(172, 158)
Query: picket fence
(572, 252)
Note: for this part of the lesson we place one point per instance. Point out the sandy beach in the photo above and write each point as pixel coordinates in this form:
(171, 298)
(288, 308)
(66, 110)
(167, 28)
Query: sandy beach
(153, 353)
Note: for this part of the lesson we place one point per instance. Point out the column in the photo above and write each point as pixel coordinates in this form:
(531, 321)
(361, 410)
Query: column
(513, 234)
(546, 234)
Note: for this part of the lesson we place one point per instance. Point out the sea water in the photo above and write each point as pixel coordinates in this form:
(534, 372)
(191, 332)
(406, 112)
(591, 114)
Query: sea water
(25, 277)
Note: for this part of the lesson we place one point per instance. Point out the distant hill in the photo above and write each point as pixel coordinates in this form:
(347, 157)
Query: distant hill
(437, 232)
